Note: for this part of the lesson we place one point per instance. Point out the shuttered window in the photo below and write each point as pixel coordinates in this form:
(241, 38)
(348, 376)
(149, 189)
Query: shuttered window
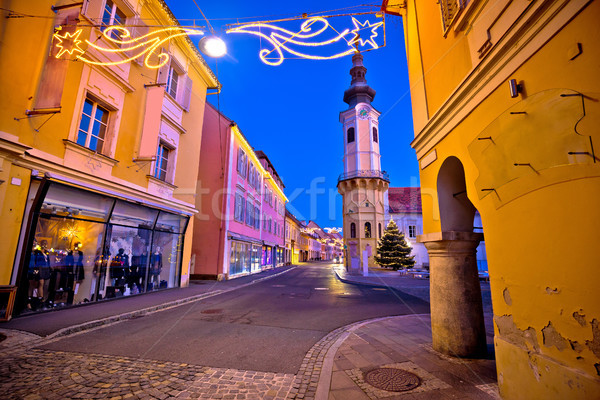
(450, 10)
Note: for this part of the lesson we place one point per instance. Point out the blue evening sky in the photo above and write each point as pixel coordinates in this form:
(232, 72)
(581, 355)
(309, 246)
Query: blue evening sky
(291, 111)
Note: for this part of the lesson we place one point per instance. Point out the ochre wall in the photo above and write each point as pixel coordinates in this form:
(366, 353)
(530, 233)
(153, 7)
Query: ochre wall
(541, 227)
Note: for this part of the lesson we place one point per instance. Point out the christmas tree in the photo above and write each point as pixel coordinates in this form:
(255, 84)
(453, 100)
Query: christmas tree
(392, 250)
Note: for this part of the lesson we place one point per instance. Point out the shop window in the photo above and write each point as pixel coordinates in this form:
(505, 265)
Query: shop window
(350, 135)
(375, 137)
(93, 126)
(162, 162)
(367, 229)
(89, 247)
(129, 214)
(112, 15)
(353, 230)
(412, 231)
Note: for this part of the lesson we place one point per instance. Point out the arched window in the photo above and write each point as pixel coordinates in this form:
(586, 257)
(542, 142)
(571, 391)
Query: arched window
(367, 229)
(375, 138)
(350, 135)
(380, 230)
(353, 230)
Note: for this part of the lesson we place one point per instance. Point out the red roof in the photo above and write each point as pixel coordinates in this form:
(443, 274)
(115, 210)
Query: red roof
(404, 200)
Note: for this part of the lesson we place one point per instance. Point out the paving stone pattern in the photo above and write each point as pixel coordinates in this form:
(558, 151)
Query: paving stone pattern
(30, 373)
(42, 374)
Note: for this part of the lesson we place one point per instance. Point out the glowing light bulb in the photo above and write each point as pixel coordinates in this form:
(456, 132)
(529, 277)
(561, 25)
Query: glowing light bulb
(213, 46)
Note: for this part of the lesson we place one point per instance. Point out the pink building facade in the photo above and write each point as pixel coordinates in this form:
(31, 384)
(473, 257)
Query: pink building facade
(240, 225)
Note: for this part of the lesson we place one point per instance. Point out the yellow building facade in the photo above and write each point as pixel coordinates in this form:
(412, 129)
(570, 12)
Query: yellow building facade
(506, 116)
(95, 195)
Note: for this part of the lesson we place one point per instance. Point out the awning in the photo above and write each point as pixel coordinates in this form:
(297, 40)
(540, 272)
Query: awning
(243, 238)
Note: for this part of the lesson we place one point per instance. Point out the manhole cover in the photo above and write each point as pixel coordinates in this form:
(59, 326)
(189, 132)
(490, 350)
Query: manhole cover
(212, 311)
(392, 379)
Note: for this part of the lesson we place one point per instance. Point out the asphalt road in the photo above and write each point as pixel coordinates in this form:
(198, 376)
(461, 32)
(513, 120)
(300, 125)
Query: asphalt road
(268, 326)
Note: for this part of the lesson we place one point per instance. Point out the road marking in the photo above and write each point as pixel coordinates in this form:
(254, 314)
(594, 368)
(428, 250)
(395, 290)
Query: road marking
(278, 285)
(321, 288)
(379, 288)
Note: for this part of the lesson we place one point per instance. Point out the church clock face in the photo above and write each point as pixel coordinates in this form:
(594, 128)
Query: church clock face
(363, 113)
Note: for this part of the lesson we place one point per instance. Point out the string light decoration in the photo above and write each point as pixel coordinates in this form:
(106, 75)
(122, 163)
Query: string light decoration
(282, 39)
(131, 48)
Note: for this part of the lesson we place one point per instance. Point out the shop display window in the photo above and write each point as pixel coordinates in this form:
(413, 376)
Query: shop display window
(129, 214)
(87, 247)
(171, 222)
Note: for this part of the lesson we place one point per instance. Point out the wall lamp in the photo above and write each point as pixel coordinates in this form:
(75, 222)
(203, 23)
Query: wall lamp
(515, 88)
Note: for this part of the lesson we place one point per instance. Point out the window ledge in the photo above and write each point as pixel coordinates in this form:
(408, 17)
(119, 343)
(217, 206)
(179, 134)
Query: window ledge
(70, 145)
(161, 182)
(464, 15)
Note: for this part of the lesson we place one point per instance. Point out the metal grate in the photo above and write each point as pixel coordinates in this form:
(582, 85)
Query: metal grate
(392, 379)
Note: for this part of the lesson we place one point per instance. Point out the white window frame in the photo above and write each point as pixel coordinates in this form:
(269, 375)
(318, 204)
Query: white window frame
(92, 123)
(173, 76)
(157, 162)
(412, 231)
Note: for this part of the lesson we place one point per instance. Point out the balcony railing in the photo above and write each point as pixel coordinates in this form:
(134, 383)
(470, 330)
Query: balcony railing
(365, 173)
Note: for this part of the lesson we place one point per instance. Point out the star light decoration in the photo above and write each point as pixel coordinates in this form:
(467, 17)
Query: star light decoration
(124, 44)
(367, 24)
(283, 40)
(68, 43)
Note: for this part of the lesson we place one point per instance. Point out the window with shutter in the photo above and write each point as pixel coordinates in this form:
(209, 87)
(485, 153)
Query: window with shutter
(112, 15)
(52, 81)
(450, 10)
(162, 162)
(186, 99)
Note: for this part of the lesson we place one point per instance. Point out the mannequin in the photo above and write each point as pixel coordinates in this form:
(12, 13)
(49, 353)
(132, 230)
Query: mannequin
(155, 268)
(100, 264)
(78, 271)
(119, 268)
(37, 274)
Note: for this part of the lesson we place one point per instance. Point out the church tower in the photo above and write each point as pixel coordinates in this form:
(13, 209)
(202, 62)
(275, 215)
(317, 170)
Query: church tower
(363, 183)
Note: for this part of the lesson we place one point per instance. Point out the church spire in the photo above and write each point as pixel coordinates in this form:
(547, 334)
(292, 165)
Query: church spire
(359, 91)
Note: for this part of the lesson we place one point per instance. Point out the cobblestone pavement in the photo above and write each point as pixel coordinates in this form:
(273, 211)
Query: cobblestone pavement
(30, 373)
(43, 374)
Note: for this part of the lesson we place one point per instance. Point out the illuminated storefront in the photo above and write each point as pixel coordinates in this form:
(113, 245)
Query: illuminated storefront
(85, 246)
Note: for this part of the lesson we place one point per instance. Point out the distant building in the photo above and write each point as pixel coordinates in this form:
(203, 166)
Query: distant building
(239, 229)
(292, 238)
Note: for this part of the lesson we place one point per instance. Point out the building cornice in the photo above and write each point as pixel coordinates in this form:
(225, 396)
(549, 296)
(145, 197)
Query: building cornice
(539, 24)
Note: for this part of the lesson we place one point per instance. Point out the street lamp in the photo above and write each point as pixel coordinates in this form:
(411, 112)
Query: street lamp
(213, 46)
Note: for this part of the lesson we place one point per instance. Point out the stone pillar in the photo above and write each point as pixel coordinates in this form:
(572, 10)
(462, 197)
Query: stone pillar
(457, 325)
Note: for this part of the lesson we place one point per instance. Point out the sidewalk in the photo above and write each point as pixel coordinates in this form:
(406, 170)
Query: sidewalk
(400, 343)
